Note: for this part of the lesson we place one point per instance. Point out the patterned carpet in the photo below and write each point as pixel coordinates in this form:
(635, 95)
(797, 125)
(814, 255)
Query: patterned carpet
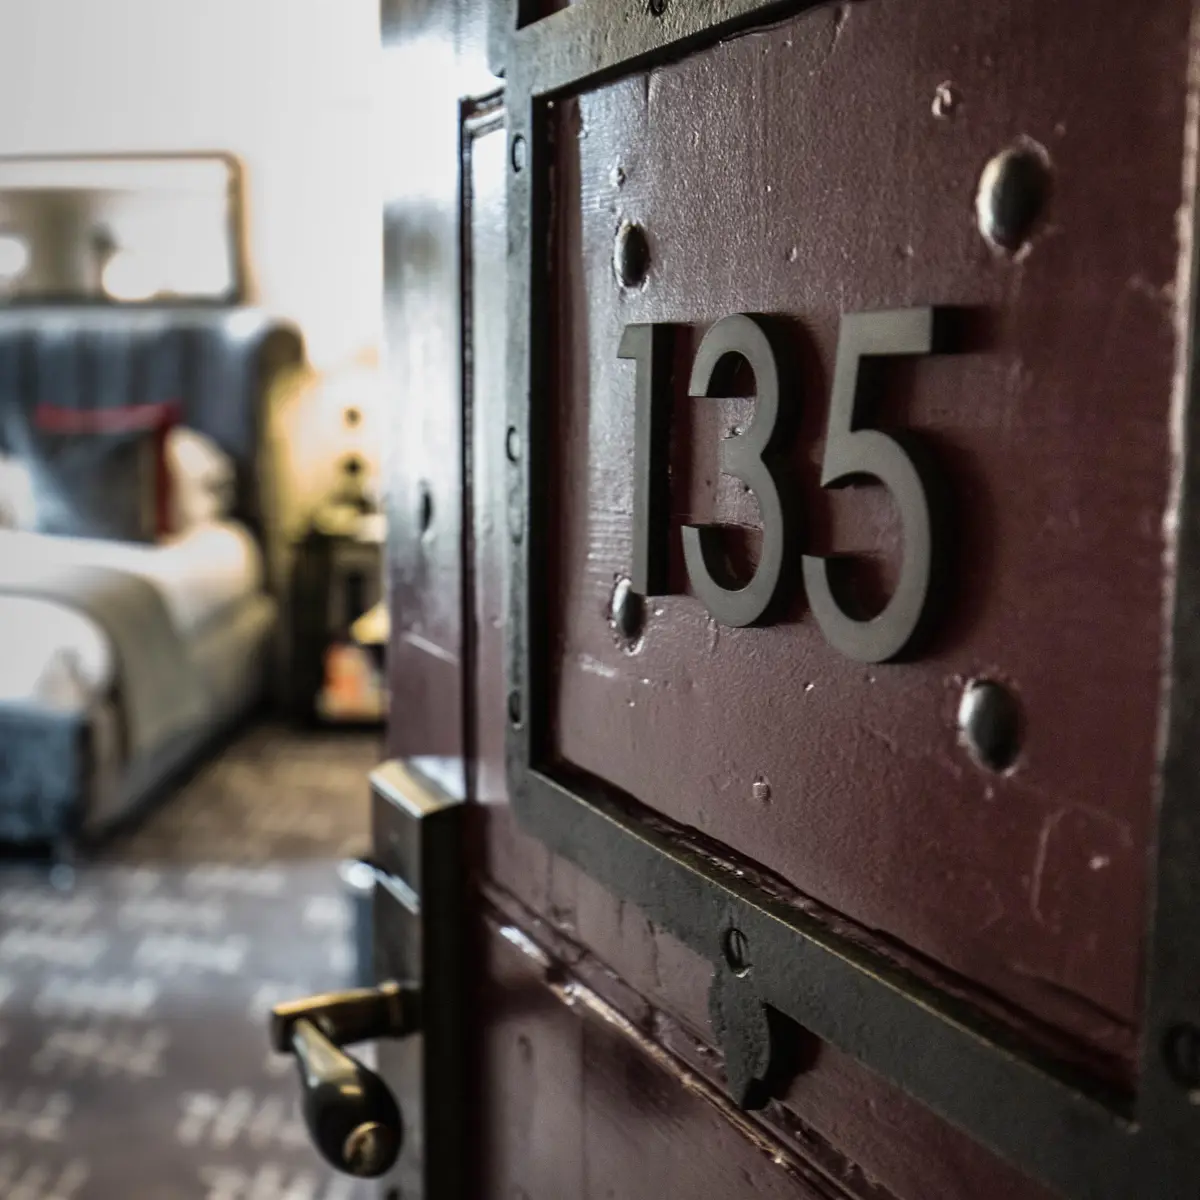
(133, 1055)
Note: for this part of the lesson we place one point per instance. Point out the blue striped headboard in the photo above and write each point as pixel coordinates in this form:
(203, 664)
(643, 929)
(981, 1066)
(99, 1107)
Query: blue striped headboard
(215, 364)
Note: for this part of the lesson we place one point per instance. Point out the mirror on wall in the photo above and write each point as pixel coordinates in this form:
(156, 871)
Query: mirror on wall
(121, 230)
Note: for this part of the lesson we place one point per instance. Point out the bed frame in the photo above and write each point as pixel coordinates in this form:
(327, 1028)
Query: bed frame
(64, 776)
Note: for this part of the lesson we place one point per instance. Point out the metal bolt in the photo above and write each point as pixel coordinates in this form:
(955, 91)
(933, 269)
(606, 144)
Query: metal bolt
(761, 790)
(512, 445)
(626, 613)
(989, 724)
(736, 948)
(1013, 191)
(631, 254)
(514, 707)
(1181, 1052)
(520, 153)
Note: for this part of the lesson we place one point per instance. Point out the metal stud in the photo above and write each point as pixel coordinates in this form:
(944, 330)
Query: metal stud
(626, 613)
(631, 254)
(1013, 191)
(989, 724)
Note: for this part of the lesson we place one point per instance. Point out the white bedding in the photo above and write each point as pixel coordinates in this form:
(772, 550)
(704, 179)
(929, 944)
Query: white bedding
(52, 654)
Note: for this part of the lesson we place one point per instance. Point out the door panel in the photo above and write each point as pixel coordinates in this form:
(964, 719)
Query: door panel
(823, 184)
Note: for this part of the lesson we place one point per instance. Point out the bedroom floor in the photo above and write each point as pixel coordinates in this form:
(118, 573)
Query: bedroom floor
(133, 1054)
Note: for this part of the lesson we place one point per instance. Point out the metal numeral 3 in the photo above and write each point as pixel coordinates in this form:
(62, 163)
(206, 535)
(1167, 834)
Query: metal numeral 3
(741, 457)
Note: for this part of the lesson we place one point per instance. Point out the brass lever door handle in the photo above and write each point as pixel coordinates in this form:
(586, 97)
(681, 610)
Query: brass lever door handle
(351, 1114)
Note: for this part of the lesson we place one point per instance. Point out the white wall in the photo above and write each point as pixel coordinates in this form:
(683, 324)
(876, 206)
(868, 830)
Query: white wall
(287, 85)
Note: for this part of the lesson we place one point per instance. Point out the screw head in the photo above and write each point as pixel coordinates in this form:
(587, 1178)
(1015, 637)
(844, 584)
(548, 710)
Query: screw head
(626, 613)
(989, 724)
(656, 8)
(1013, 191)
(735, 946)
(520, 153)
(631, 254)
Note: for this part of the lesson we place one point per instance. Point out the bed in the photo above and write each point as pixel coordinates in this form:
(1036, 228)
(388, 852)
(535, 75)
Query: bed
(121, 661)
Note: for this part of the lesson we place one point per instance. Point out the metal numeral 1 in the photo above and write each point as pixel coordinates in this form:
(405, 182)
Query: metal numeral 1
(650, 347)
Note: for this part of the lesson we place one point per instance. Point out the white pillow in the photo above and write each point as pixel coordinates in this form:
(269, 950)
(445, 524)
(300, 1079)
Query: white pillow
(202, 479)
(17, 509)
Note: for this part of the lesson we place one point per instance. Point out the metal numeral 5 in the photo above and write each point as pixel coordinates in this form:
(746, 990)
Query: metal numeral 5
(853, 453)
(850, 453)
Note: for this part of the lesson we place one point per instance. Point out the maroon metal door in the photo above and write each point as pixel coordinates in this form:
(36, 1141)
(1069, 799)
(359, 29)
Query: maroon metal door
(792, 570)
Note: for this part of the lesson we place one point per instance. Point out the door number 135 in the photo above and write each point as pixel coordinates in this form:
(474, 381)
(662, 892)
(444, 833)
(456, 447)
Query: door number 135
(850, 453)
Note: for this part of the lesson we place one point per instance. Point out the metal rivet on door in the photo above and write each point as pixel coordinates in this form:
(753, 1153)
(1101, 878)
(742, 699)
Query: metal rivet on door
(1013, 192)
(626, 613)
(989, 724)
(631, 254)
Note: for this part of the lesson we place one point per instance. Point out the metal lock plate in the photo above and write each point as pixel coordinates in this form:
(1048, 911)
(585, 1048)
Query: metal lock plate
(418, 938)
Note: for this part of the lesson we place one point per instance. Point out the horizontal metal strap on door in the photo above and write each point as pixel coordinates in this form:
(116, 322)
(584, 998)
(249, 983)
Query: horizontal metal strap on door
(579, 998)
(1041, 1119)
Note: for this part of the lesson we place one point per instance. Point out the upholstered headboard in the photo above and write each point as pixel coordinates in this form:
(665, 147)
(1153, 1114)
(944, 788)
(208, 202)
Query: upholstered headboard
(215, 364)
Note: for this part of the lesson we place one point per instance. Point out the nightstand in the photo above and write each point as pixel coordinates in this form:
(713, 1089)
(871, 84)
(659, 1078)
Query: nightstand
(336, 578)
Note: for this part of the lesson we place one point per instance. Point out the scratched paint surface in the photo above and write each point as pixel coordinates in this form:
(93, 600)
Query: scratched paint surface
(803, 171)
